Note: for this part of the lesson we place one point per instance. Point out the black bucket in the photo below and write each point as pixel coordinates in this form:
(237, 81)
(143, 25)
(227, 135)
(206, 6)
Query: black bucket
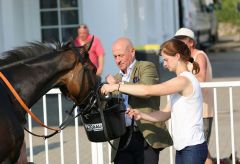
(109, 126)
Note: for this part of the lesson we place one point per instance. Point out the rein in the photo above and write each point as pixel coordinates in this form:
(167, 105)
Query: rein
(23, 104)
(64, 124)
(69, 118)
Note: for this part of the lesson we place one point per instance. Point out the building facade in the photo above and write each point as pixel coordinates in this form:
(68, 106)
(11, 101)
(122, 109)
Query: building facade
(143, 21)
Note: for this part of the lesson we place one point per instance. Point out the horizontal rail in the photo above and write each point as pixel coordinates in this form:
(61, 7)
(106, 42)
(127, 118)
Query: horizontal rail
(220, 84)
(97, 148)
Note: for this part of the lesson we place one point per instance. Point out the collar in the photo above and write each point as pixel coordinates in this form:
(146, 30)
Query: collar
(129, 69)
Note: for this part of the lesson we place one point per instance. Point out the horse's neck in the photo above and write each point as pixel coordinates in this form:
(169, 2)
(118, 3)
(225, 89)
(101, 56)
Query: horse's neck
(34, 78)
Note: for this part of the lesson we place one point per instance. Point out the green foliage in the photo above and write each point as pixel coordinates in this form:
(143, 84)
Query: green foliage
(228, 12)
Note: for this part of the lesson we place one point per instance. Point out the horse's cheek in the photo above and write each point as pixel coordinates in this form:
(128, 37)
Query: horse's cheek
(74, 89)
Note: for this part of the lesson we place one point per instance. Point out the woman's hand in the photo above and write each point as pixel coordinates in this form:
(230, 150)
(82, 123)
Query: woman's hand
(134, 113)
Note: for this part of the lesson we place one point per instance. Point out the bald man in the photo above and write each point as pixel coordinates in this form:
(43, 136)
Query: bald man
(148, 138)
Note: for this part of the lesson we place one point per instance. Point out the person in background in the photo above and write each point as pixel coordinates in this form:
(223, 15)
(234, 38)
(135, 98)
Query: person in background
(148, 138)
(205, 75)
(184, 107)
(96, 53)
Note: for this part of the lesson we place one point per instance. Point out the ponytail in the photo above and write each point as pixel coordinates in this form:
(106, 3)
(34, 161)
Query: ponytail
(196, 68)
(173, 46)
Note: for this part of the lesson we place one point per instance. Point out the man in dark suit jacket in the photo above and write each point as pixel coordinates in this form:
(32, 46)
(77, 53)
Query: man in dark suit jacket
(148, 138)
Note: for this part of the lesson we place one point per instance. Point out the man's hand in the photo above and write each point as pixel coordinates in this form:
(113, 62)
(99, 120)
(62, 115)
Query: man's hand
(111, 80)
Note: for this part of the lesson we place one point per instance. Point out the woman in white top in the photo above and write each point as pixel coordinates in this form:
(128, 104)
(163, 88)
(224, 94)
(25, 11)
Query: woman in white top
(205, 75)
(184, 107)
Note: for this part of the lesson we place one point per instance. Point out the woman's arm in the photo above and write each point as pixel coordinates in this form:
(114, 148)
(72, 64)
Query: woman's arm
(174, 85)
(162, 115)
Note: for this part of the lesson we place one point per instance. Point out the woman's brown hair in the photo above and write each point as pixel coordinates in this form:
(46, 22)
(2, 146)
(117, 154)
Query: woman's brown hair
(174, 46)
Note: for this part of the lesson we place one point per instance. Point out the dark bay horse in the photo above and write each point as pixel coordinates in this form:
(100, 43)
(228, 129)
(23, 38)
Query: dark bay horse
(32, 71)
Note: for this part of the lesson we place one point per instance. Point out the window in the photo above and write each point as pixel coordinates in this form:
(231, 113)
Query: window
(59, 19)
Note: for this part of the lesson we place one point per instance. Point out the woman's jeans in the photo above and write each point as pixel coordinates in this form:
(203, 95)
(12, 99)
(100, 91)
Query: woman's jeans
(196, 154)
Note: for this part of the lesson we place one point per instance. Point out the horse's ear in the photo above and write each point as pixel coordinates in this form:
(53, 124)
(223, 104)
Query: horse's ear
(68, 43)
(89, 44)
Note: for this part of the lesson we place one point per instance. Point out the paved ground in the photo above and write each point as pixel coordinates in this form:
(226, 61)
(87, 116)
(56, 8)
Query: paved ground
(225, 67)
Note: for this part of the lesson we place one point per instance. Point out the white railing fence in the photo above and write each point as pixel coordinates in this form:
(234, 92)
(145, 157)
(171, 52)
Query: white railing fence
(71, 146)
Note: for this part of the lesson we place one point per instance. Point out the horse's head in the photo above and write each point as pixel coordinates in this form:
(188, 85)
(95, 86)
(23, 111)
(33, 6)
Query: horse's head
(81, 80)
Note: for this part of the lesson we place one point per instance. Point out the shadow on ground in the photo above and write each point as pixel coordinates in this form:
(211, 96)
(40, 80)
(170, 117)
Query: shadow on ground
(41, 148)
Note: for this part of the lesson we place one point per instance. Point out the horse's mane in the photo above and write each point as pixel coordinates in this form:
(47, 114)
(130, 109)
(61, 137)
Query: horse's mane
(32, 49)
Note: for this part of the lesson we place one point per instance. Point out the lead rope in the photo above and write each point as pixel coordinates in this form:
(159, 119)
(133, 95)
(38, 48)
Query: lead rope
(68, 119)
